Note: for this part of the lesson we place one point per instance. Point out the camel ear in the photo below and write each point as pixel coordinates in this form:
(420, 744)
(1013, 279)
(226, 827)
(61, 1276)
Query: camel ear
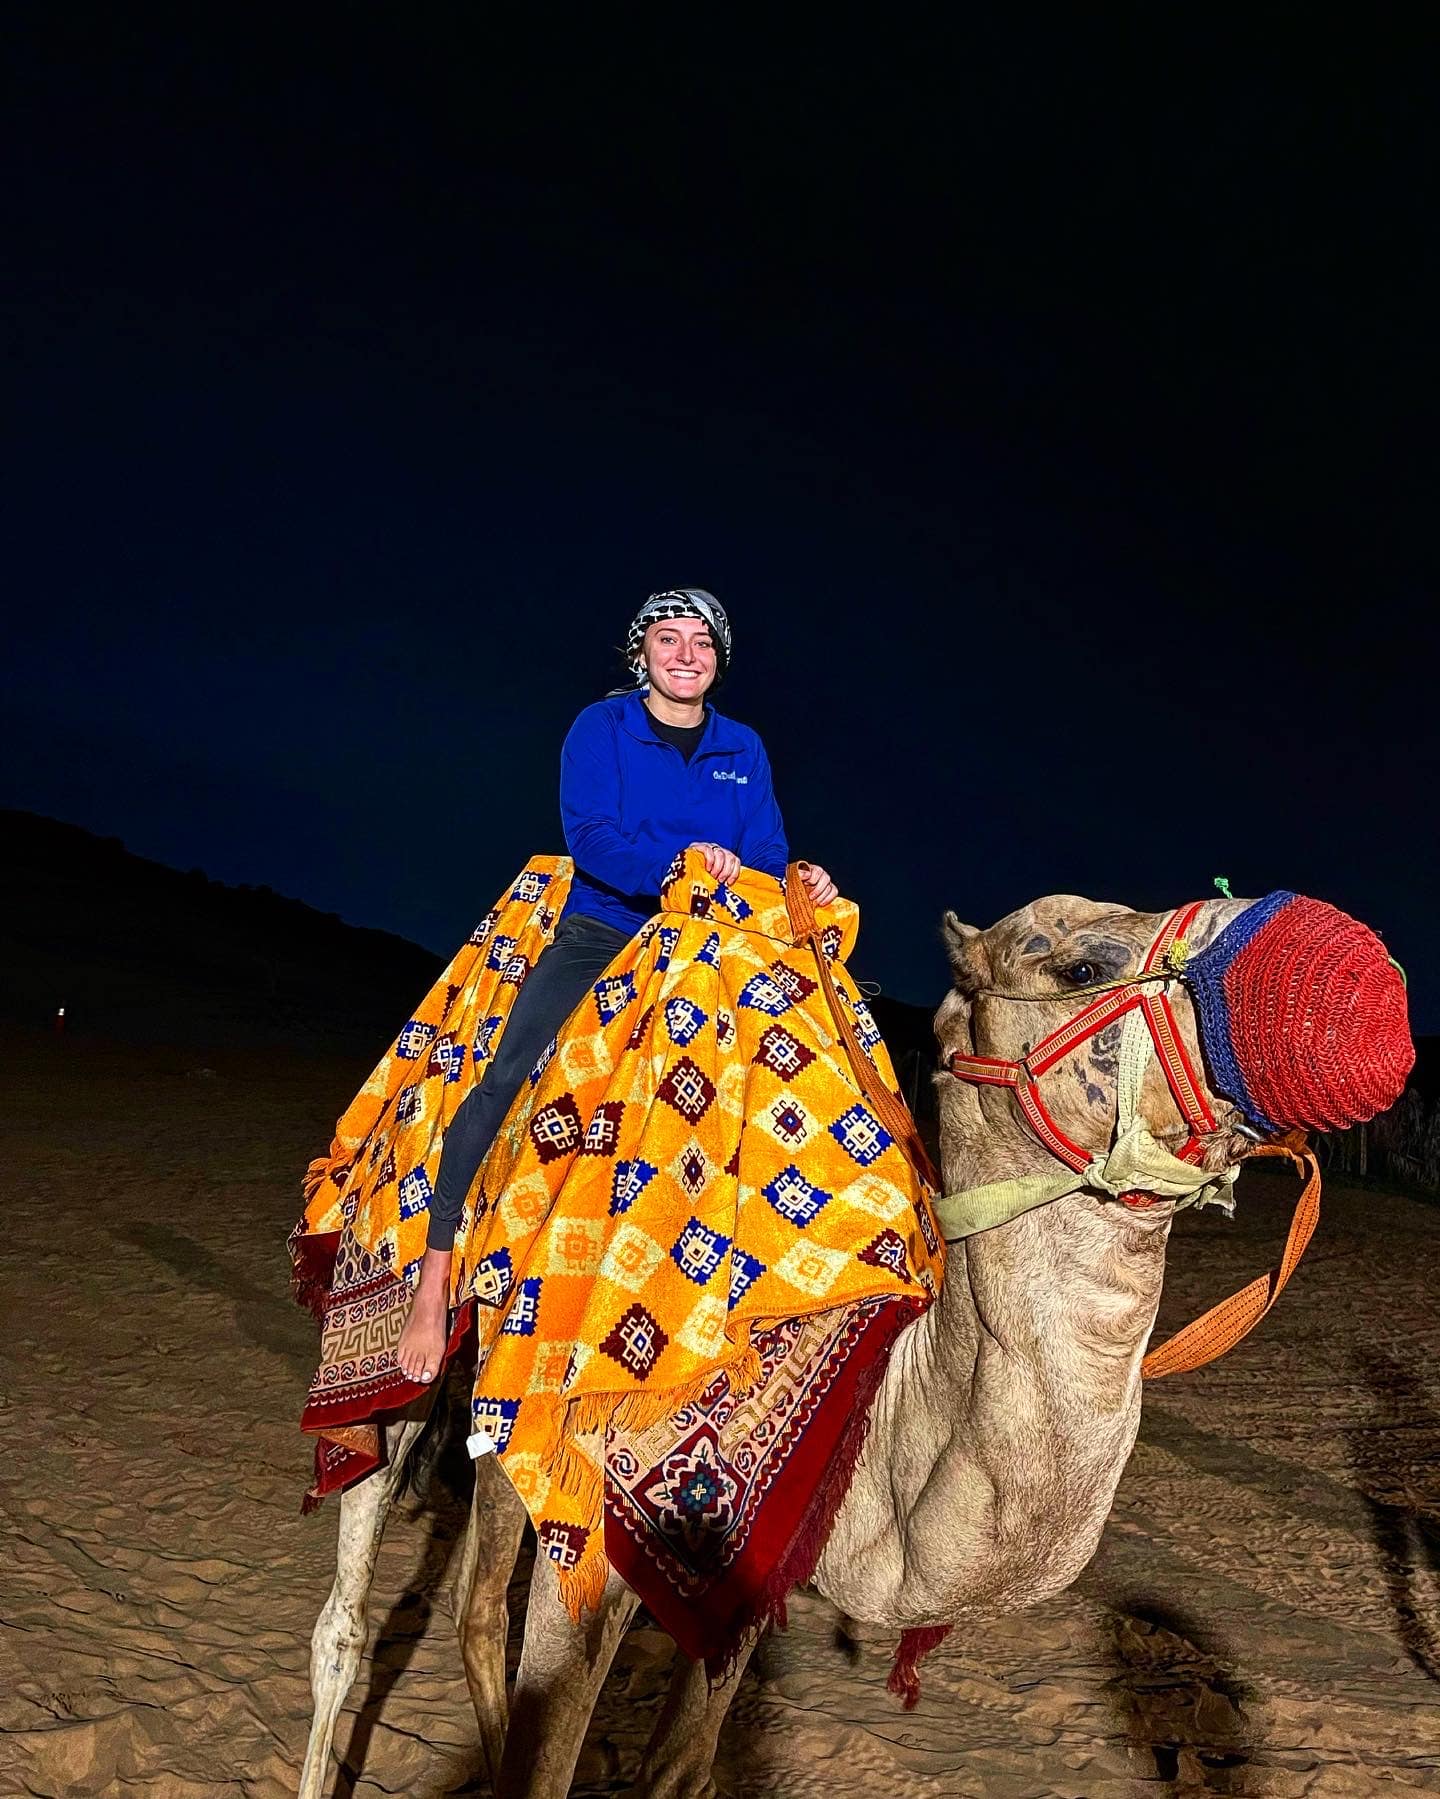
(965, 946)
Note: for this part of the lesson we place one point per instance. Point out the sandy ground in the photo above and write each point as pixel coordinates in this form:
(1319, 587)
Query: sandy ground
(1263, 1617)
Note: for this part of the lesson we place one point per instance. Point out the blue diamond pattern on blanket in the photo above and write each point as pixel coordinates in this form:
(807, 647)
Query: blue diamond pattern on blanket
(735, 904)
(415, 1192)
(496, 1417)
(684, 1020)
(761, 994)
(520, 1319)
(794, 1198)
(745, 1270)
(415, 1040)
(410, 1106)
(631, 1179)
(866, 1028)
(494, 1277)
(709, 950)
(501, 951)
(669, 936)
(861, 1135)
(447, 1058)
(612, 994)
(485, 1037)
(699, 1252)
(481, 934)
(531, 884)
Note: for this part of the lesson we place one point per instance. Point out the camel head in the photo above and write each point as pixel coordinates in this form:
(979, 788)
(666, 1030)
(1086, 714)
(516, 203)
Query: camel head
(1284, 1014)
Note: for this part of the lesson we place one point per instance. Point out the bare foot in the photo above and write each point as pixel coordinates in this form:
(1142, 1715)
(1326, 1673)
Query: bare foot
(422, 1342)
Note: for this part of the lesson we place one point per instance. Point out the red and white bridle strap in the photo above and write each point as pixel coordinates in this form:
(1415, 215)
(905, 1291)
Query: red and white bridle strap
(1024, 1075)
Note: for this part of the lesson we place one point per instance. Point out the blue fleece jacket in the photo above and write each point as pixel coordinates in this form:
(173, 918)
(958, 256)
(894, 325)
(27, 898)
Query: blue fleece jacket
(629, 801)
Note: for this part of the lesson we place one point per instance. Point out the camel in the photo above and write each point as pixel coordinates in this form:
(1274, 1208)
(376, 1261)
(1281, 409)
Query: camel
(1002, 1424)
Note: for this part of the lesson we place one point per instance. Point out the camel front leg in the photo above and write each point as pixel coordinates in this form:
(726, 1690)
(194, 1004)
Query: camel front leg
(562, 1668)
(339, 1637)
(478, 1600)
(681, 1752)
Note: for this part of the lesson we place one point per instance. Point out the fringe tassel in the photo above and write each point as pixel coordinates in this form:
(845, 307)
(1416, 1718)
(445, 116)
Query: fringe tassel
(316, 1174)
(312, 1269)
(583, 1586)
(914, 1646)
(593, 1413)
(745, 1371)
(574, 1473)
(311, 1294)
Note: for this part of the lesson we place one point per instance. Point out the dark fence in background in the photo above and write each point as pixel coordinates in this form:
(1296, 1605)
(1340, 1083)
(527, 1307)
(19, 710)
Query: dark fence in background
(1403, 1144)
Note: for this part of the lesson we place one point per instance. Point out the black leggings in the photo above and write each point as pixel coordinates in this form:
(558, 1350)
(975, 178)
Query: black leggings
(582, 949)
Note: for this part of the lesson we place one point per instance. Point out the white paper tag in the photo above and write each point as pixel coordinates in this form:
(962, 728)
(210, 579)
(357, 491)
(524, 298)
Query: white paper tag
(480, 1443)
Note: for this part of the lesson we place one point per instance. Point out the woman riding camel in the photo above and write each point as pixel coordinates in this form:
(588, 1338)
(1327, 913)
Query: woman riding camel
(644, 774)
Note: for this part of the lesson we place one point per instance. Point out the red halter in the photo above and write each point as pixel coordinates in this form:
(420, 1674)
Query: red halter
(1024, 1075)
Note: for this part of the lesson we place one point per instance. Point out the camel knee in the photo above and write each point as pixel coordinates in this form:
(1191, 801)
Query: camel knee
(338, 1640)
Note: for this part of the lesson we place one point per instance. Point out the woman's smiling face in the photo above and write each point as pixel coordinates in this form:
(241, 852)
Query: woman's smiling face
(680, 659)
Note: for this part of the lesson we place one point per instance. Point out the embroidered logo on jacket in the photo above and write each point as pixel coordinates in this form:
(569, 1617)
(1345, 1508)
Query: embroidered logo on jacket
(729, 774)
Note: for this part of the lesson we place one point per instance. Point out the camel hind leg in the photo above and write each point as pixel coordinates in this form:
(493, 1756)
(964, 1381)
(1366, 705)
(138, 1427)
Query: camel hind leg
(681, 1751)
(562, 1669)
(478, 1600)
(339, 1637)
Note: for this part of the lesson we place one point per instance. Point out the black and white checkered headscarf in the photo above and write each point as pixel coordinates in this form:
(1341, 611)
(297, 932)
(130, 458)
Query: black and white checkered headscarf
(680, 602)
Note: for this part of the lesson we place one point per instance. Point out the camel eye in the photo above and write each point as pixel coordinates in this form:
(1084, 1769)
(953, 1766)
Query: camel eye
(1079, 974)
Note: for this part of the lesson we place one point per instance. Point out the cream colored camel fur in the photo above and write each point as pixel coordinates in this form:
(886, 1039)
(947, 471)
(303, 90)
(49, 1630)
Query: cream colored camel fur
(1000, 1430)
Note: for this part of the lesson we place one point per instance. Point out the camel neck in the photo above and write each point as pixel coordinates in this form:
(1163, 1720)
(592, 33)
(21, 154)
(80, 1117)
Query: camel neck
(1007, 1412)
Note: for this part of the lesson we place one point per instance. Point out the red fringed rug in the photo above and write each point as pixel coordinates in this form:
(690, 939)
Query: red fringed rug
(715, 1514)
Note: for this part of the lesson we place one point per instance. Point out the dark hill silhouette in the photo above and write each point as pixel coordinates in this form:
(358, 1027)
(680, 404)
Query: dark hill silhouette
(140, 952)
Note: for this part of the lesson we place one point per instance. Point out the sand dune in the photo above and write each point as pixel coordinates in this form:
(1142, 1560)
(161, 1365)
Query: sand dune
(1263, 1618)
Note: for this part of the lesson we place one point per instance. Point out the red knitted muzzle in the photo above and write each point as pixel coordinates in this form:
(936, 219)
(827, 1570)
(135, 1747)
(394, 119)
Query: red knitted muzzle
(1302, 1016)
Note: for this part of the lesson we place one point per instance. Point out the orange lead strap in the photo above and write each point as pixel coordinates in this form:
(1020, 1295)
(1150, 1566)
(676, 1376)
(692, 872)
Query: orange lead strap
(1222, 1327)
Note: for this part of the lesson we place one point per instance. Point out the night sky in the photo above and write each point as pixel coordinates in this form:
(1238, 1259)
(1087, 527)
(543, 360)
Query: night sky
(1053, 409)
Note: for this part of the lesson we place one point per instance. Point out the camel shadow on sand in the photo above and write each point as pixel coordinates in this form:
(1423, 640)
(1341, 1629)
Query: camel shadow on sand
(1183, 1709)
(266, 1315)
(1391, 1459)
